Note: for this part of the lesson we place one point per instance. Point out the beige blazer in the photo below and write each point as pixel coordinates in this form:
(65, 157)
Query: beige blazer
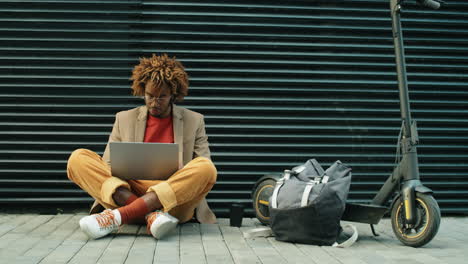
(189, 133)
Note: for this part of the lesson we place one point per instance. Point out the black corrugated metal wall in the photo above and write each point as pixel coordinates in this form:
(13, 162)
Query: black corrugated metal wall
(278, 82)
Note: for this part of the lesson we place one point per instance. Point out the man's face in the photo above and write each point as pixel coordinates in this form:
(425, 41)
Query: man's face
(158, 100)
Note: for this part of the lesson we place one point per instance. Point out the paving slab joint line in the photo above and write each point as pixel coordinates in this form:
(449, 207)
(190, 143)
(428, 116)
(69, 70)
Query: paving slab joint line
(76, 252)
(224, 241)
(58, 245)
(203, 245)
(179, 231)
(276, 249)
(104, 250)
(249, 246)
(133, 243)
(229, 249)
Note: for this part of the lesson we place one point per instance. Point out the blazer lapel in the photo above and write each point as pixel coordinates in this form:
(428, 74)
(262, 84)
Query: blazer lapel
(140, 125)
(178, 126)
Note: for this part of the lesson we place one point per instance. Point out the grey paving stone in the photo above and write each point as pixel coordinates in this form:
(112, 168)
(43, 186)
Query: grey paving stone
(290, 252)
(91, 251)
(67, 250)
(260, 245)
(240, 250)
(317, 254)
(264, 251)
(78, 237)
(191, 246)
(453, 260)
(216, 250)
(7, 239)
(168, 249)
(142, 250)
(50, 226)
(61, 254)
(118, 248)
(57, 239)
(13, 222)
(33, 223)
(345, 255)
(20, 260)
(6, 218)
(19, 247)
(30, 233)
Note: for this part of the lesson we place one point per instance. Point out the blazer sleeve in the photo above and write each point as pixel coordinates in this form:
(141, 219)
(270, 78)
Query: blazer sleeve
(201, 147)
(114, 137)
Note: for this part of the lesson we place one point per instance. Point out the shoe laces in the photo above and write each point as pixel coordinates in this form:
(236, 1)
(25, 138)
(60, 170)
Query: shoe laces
(106, 219)
(150, 219)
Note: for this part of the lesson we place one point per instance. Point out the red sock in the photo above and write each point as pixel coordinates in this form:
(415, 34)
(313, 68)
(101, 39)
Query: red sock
(134, 211)
(131, 199)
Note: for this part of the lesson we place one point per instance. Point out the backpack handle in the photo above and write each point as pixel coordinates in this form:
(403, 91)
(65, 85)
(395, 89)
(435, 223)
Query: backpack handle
(279, 183)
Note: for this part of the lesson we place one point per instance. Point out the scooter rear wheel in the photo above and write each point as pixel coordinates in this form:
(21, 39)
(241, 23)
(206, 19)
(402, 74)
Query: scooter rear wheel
(261, 198)
(427, 221)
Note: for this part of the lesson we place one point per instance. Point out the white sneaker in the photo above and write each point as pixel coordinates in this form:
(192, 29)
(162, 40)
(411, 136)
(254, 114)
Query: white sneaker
(159, 224)
(99, 225)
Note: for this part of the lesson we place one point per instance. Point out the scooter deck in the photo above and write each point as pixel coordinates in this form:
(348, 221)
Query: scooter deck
(364, 213)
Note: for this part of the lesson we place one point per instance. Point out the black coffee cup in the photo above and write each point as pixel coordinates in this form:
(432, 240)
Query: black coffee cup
(236, 214)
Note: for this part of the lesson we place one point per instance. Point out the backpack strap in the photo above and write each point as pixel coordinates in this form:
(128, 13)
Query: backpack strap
(306, 193)
(263, 231)
(266, 231)
(350, 241)
(279, 183)
(325, 179)
(299, 169)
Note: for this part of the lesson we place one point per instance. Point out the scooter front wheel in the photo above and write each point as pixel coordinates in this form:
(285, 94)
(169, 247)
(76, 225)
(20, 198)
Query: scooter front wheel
(426, 225)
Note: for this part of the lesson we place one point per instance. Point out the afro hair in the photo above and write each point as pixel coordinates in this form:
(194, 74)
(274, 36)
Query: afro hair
(163, 71)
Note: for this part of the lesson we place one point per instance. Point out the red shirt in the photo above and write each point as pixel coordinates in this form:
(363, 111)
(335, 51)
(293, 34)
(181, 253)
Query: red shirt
(159, 130)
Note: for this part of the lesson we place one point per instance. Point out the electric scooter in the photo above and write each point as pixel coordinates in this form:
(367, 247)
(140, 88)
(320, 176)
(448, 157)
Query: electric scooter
(415, 214)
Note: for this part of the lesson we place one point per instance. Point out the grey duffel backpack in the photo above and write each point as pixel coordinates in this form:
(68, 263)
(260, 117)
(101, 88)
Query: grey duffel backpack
(307, 203)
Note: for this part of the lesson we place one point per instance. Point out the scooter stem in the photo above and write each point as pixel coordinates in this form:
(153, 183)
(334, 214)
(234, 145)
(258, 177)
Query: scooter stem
(409, 170)
(395, 9)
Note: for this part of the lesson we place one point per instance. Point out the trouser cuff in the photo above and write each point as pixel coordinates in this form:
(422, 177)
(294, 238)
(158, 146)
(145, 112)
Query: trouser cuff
(165, 194)
(109, 187)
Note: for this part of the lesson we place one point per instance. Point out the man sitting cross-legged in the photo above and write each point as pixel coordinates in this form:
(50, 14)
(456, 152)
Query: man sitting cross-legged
(162, 204)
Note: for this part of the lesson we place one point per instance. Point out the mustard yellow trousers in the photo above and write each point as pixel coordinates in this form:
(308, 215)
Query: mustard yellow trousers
(179, 195)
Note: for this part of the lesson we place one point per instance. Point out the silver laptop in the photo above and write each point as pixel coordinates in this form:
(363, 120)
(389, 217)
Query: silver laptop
(143, 161)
